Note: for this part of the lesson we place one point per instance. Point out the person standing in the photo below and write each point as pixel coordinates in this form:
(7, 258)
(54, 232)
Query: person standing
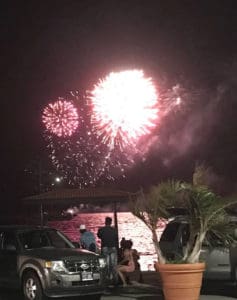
(87, 239)
(109, 238)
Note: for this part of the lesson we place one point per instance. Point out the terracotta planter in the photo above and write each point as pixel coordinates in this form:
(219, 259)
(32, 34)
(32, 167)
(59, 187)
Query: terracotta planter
(181, 281)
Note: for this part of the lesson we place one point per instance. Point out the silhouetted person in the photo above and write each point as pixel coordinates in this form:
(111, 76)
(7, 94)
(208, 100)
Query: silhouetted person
(109, 237)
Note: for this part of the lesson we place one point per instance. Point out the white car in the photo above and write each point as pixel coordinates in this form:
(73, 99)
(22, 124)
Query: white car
(221, 262)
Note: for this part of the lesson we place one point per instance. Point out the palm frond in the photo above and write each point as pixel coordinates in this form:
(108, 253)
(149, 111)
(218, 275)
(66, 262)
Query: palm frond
(205, 213)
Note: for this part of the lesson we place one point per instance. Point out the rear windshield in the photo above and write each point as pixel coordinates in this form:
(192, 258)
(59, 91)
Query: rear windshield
(170, 232)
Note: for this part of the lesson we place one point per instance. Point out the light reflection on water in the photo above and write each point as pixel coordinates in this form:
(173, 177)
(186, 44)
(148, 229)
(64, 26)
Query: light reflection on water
(129, 227)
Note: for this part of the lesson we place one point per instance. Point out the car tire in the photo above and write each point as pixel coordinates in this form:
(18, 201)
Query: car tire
(32, 289)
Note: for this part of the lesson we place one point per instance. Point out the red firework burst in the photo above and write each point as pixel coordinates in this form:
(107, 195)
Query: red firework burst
(60, 118)
(124, 107)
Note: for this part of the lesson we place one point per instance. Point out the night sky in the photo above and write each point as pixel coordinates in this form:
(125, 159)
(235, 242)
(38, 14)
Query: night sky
(51, 47)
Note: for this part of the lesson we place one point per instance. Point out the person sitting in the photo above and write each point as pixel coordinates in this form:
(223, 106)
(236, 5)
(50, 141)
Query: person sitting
(135, 275)
(127, 265)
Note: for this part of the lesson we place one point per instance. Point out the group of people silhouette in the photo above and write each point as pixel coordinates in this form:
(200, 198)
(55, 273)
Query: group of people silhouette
(120, 262)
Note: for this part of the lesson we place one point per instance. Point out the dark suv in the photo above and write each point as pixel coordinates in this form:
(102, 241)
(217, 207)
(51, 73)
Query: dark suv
(43, 262)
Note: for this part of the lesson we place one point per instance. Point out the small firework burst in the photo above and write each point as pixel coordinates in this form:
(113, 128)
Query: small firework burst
(60, 118)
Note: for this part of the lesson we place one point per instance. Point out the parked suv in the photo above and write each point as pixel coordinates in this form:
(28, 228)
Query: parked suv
(221, 262)
(43, 262)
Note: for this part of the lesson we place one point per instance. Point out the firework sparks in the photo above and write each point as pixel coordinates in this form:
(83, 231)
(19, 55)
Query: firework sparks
(79, 161)
(124, 107)
(81, 158)
(118, 126)
(60, 118)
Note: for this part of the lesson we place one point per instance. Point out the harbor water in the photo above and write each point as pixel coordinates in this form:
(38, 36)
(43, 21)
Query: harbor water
(129, 227)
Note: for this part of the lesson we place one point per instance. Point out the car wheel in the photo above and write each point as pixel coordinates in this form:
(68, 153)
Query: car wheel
(32, 289)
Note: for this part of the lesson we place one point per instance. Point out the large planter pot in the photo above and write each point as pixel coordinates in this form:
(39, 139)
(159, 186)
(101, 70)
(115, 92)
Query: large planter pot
(181, 281)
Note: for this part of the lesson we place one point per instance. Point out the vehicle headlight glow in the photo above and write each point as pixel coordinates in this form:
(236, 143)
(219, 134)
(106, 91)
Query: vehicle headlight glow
(102, 262)
(56, 266)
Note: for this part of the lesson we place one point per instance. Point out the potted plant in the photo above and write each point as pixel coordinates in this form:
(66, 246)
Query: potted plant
(204, 212)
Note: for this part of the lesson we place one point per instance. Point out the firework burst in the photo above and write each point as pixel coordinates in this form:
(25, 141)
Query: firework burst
(118, 126)
(124, 108)
(60, 118)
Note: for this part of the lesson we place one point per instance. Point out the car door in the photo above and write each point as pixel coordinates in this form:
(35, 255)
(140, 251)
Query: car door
(8, 259)
(217, 261)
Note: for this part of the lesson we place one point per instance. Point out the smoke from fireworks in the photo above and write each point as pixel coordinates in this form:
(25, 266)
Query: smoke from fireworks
(124, 107)
(60, 118)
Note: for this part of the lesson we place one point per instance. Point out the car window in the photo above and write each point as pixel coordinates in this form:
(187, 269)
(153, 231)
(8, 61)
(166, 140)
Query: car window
(58, 240)
(8, 241)
(185, 234)
(43, 238)
(213, 240)
(34, 239)
(170, 232)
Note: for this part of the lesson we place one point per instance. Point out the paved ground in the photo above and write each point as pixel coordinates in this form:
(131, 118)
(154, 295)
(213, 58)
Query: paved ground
(149, 290)
(205, 297)
(150, 293)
